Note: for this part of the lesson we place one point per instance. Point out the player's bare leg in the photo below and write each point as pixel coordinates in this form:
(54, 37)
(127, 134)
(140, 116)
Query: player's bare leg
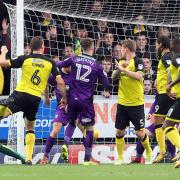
(30, 141)
(146, 144)
(160, 137)
(120, 144)
(50, 142)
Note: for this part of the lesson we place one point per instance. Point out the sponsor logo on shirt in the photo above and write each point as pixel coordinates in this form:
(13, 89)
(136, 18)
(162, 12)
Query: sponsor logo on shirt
(86, 120)
(168, 62)
(140, 66)
(178, 60)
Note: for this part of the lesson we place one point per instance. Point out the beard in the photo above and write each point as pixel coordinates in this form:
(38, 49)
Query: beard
(159, 53)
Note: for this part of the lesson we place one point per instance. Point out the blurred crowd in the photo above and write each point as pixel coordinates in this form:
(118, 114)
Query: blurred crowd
(63, 34)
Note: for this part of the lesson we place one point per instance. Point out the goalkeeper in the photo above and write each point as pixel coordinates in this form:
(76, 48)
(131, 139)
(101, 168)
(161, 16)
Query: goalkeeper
(36, 69)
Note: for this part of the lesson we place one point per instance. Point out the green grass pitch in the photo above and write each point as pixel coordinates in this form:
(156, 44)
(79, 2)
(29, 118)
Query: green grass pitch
(99, 172)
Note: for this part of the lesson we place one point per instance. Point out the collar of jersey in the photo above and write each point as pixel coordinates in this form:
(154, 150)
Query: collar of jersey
(86, 55)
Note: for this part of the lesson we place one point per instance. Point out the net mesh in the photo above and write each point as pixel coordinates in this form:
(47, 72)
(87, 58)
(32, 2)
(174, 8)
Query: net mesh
(161, 12)
(64, 23)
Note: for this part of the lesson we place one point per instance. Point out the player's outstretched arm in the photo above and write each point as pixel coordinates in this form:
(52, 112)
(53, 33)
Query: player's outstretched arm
(46, 96)
(3, 60)
(102, 75)
(62, 88)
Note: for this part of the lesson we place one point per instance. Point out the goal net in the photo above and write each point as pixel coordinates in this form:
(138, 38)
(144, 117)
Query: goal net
(63, 24)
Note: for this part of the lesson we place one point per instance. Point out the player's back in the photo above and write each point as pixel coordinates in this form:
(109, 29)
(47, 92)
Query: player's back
(36, 69)
(85, 71)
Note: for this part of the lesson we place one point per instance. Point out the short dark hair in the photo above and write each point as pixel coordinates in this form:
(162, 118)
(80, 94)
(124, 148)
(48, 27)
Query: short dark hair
(36, 43)
(86, 43)
(130, 44)
(164, 41)
(175, 45)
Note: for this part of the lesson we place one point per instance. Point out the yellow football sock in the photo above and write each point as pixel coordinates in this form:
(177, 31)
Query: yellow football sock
(2, 110)
(30, 141)
(146, 144)
(173, 136)
(120, 144)
(160, 137)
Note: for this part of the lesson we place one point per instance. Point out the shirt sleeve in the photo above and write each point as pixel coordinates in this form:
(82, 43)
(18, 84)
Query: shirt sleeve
(54, 70)
(102, 76)
(65, 63)
(166, 61)
(138, 65)
(51, 80)
(18, 62)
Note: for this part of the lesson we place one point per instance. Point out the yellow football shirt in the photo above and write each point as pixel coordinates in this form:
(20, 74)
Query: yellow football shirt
(162, 73)
(175, 72)
(130, 92)
(36, 70)
(1, 80)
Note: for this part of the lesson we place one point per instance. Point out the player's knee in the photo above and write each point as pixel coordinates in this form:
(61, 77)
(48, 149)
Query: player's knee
(168, 124)
(140, 133)
(120, 133)
(30, 125)
(158, 120)
(89, 128)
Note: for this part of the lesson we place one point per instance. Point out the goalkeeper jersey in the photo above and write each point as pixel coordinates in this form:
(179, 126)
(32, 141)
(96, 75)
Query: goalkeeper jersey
(130, 92)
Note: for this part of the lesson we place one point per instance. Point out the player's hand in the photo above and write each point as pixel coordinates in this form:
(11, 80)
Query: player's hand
(119, 66)
(106, 94)
(4, 50)
(63, 103)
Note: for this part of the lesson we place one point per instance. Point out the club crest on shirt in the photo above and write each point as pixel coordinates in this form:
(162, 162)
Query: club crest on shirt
(178, 60)
(140, 66)
(168, 61)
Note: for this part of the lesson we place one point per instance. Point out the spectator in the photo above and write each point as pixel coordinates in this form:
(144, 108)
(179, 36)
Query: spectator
(67, 32)
(27, 49)
(52, 43)
(5, 37)
(147, 87)
(97, 7)
(148, 72)
(47, 20)
(141, 45)
(106, 45)
(68, 51)
(99, 30)
(163, 31)
(117, 52)
(80, 33)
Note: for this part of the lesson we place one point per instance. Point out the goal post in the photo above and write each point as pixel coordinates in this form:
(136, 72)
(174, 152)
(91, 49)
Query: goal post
(16, 128)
